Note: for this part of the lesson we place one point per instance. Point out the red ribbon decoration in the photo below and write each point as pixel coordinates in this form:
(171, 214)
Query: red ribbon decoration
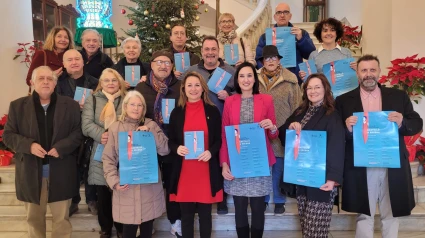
(333, 72)
(184, 68)
(130, 145)
(166, 108)
(83, 98)
(365, 126)
(238, 139)
(297, 144)
(132, 74)
(195, 142)
(308, 67)
(220, 79)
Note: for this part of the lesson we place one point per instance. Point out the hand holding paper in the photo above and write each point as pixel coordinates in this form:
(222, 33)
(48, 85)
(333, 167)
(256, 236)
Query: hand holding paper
(295, 126)
(395, 117)
(328, 186)
(350, 122)
(226, 172)
(182, 150)
(205, 156)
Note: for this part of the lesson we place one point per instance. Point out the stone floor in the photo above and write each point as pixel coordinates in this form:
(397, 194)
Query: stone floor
(228, 234)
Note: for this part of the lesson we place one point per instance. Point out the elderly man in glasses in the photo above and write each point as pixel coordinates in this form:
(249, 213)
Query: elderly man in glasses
(304, 44)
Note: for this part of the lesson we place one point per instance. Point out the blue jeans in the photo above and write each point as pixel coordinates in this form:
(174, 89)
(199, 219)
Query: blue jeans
(277, 172)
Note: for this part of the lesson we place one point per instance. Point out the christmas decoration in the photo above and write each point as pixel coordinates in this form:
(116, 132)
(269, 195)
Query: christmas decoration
(130, 22)
(206, 9)
(154, 18)
(123, 11)
(119, 43)
(202, 2)
(94, 13)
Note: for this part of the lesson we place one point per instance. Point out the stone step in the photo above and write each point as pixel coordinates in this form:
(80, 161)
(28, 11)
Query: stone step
(12, 219)
(7, 174)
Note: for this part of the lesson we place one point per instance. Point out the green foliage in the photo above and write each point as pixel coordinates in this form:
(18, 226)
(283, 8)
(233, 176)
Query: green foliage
(162, 12)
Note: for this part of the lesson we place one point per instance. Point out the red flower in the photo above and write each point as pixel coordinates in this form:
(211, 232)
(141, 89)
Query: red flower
(3, 120)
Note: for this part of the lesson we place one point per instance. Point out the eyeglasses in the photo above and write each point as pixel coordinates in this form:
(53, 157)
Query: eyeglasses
(227, 22)
(273, 58)
(134, 105)
(283, 13)
(160, 62)
(317, 88)
(109, 81)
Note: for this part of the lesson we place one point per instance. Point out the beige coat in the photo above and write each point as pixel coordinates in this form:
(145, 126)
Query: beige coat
(143, 202)
(249, 53)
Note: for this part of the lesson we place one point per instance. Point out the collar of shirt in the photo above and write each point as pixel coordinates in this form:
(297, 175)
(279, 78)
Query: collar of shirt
(365, 94)
(321, 48)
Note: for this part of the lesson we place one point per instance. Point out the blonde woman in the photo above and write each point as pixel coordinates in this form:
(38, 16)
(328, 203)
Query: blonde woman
(134, 205)
(228, 35)
(99, 112)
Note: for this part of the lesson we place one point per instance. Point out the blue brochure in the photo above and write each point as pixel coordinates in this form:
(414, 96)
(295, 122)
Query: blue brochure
(194, 141)
(98, 153)
(375, 141)
(81, 94)
(341, 77)
(231, 53)
(218, 80)
(247, 148)
(182, 61)
(138, 161)
(282, 38)
(305, 158)
(309, 67)
(132, 74)
(167, 107)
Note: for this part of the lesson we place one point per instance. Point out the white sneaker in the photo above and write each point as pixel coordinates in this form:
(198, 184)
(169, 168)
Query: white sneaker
(176, 228)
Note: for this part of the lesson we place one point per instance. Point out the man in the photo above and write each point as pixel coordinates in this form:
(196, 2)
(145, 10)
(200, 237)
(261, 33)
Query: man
(210, 61)
(178, 38)
(161, 83)
(44, 130)
(364, 187)
(95, 61)
(66, 86)
(282, 85)
(304, 44)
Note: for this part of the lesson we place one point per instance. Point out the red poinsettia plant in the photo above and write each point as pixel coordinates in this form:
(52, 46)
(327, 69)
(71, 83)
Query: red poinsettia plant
(407, 74)
(420, 150)
(6, 154)
(351, 38)
(27, 51)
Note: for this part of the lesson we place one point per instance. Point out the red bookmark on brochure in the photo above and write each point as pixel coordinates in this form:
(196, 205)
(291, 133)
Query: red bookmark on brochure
(195, 142)
(297, 144)
(365, 126)
(238, 139)
(273, 36)
(333, 72)
(130, 145)
(83, 98)
(308, 67)
(220, 79)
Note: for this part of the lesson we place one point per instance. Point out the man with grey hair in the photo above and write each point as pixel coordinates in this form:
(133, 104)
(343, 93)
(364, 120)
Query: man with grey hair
(95, 61)
(44, 130)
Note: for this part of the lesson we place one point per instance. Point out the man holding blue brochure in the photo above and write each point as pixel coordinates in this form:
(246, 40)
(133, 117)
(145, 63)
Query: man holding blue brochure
(363, 187)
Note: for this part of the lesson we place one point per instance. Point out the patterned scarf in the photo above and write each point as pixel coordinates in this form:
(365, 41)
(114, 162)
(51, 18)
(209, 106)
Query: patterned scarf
(270, 77)
(226, 38)
(108, 114)
(161, 87)
(310, 113)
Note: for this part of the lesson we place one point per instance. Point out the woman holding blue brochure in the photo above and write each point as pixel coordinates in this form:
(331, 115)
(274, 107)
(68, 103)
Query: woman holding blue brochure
(195, 140)
(248, 106)
(317, 113)
(134, 205)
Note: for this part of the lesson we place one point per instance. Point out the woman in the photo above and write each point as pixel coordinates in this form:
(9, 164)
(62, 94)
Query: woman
(317, 112)
(58, 41)
(248, 106)
(99, 112)
(195, 112)
(134, 205)
(228, 35)
(328, 32)
(132, 47)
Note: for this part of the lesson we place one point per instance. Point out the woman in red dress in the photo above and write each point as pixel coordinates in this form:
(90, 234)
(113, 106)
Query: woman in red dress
(196, 182)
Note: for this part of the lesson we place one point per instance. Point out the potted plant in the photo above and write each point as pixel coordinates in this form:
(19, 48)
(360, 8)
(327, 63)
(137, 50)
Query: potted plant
(420, 155)
(6, 154)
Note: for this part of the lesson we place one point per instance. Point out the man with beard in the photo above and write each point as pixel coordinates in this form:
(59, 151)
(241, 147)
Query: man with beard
(363, 187)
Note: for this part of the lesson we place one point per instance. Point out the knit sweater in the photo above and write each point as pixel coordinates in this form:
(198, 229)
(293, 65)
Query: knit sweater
(322, 56)
(286, 98)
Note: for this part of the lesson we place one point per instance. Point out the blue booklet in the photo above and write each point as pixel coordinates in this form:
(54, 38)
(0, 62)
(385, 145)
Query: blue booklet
(247, 148)
(168, 104)
(98, 153)
(309, 67)
(182, 61)
(231, 53)
(341, 77)
(81, 94)
(375, 141)
(218, 80)
(285, 42)
(138, 161)
(194, 141)
(305, 158)
(132, 74)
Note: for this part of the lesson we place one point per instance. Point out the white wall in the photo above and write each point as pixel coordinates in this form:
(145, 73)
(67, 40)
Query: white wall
(17, 27)
(241, 11)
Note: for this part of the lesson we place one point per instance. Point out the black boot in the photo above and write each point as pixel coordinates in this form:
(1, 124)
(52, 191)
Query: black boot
(255, 233)
(243, 232)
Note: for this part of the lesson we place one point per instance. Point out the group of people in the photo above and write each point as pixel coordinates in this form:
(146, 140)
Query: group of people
(48, 129)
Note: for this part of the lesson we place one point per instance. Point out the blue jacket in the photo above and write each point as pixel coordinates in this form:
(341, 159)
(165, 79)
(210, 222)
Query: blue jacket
(304, 47)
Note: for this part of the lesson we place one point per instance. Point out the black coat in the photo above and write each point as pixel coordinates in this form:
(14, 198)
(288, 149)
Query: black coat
(354, 189)
(332, 124)
(194, 59)
(145, 68)
(22, 130)
(65, 88)
(97, 63)
(176, 138)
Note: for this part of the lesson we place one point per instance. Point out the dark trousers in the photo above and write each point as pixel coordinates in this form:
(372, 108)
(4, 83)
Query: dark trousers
(188, 217)
(173, 208)
(257, 212)
(104, 210)
(90, 190)
(130, 230)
